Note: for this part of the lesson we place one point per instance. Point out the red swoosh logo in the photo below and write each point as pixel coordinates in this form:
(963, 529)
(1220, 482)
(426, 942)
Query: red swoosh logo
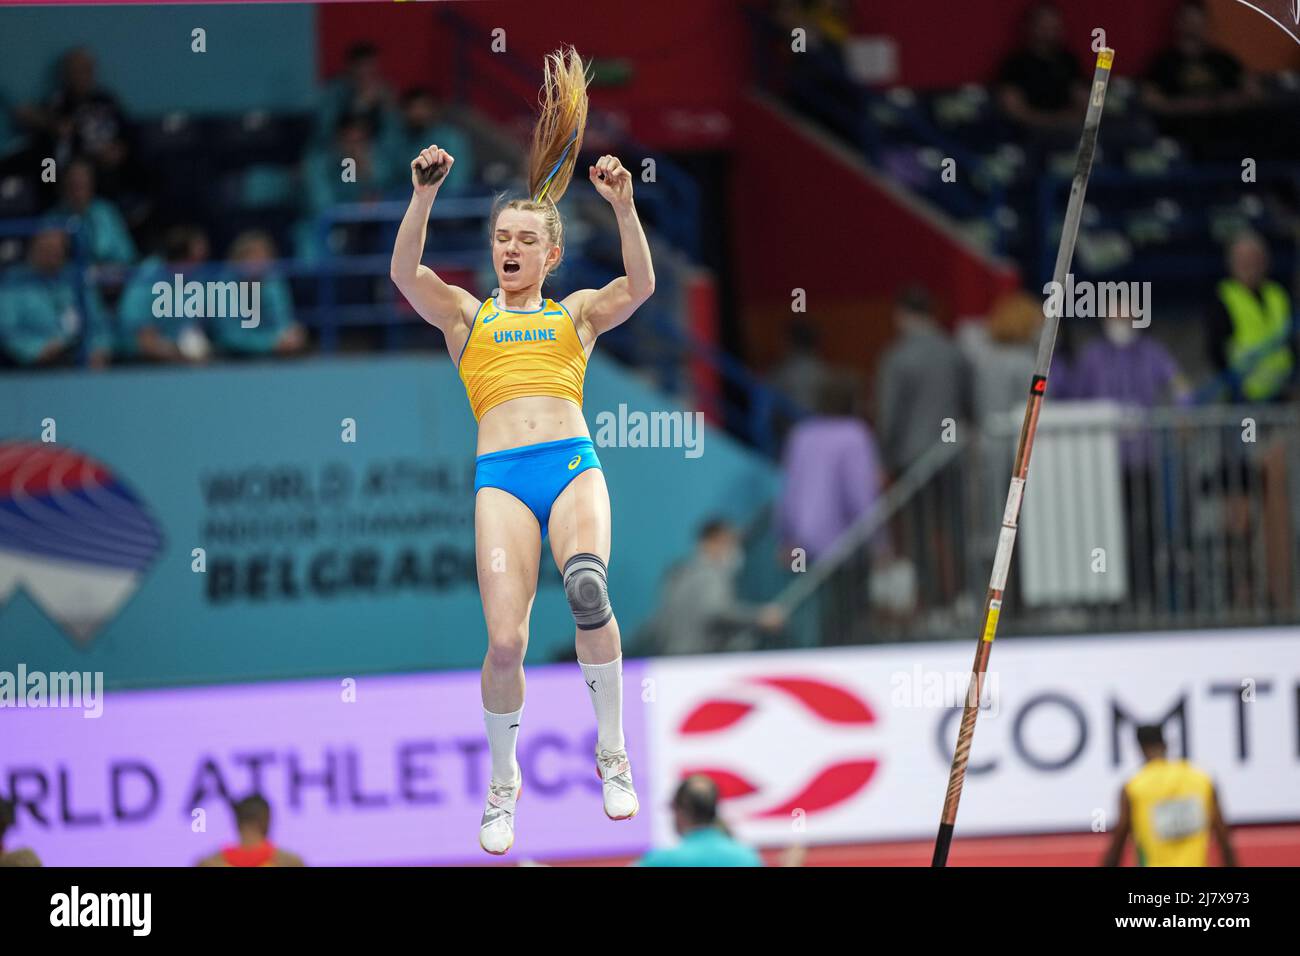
(714, 715)
(830, 703)
(836, 783)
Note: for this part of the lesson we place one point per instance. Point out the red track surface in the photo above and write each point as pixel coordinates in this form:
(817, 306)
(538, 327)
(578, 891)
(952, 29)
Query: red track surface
(1256, 846)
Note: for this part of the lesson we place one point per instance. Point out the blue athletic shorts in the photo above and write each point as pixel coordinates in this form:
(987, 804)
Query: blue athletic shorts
(536, 474)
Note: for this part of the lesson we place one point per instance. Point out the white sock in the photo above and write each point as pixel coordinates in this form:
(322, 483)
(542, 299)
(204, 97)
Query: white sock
(605, 682)
(502, 732)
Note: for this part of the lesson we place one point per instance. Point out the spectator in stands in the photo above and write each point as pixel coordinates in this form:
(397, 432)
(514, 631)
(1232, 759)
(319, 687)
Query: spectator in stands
(923, 393)
(1127, 365)
(173, 336)
(253, 820)
(705, 840)
(331, 179)
(1194, 76)
(1251, 330)
(1040, 85)
(45, 317)
(1131, 367)
(251, 256)
(1252, 342)
(922, 380)
(103, 229)
(798, 377)
(361, 91)
(83, 119)
(831, 471)
(831, 479)
(801, 372)
(1001, 354)
(22, 856)
(424, 122)
(353, 169)
(1197, 89)
(699, 610)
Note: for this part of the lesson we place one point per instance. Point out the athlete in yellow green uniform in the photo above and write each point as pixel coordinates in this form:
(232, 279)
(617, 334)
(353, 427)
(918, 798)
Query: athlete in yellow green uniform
(1171, 808)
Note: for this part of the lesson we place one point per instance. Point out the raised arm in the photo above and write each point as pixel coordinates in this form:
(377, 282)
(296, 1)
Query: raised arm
(603, 309)
(438, 303)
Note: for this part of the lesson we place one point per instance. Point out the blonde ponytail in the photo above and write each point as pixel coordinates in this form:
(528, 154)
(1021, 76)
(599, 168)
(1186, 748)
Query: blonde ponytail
(557, 139)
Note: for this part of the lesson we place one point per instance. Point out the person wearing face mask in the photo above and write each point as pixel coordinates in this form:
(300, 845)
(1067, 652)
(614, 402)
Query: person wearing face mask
(1128, 366)
(699, 610)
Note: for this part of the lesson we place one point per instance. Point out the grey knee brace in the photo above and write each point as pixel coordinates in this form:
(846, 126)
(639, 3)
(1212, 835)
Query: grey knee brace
(586, 588)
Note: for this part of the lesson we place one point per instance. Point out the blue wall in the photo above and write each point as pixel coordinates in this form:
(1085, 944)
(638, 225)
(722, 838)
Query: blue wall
(171, 438)
(257, 55)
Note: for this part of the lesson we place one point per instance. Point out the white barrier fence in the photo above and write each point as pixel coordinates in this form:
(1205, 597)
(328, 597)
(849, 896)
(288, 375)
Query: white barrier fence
(842, 745)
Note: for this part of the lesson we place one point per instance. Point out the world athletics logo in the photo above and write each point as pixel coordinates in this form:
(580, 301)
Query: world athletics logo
(72, 535)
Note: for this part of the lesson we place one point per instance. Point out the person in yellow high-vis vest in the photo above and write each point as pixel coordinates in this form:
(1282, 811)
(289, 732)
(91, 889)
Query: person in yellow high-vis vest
(1170, 808)
(1251, 329)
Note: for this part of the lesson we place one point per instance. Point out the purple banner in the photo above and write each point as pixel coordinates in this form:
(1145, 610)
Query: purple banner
(396, 776)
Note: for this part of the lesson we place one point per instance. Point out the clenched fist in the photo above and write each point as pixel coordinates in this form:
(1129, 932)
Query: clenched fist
(430, 168)
(611, 180)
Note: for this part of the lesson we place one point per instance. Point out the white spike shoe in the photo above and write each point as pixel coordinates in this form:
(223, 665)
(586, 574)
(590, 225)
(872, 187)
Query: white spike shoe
(497, 831)
(615, 774)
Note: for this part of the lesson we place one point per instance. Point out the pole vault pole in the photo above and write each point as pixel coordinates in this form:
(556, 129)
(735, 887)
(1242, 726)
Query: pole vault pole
(1020, 471)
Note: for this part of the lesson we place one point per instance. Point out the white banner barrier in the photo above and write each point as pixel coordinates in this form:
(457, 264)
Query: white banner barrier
(838, 745)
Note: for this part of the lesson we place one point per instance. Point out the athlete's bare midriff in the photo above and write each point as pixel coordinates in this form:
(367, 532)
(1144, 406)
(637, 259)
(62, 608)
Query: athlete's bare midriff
(526, 420)
(529, 420)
